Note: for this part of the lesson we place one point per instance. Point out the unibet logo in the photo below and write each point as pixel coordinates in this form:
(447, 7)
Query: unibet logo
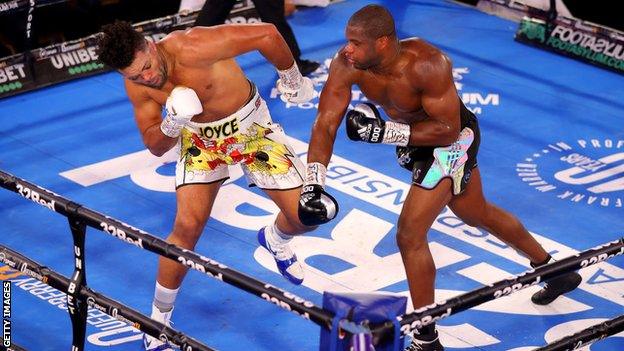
(74, 58)
(588, 171)
(12, 73)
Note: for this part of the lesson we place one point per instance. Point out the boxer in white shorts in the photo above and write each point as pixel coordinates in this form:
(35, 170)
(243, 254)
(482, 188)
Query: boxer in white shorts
(216, 118)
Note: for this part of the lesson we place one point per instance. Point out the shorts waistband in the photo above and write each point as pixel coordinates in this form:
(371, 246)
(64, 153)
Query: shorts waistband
(229, 125)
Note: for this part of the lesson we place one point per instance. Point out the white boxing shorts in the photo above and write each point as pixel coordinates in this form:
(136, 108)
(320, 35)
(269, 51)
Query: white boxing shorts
(248, 138)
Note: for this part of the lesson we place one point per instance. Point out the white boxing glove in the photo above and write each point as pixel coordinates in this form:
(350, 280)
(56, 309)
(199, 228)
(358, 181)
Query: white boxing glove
(294, 87)
(182, 104)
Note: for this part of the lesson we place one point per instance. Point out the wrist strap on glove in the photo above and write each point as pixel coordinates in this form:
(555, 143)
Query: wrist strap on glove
(291, 78)
(315, 174)
(171, 127)
(396, 133)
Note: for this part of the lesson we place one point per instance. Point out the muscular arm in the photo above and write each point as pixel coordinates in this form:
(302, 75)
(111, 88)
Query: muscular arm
(147, 114)
(315, 205)
(440, 102)
(333, 103)
(209, 44)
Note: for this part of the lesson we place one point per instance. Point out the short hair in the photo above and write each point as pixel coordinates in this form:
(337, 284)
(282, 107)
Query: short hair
(118, 44)
(376, 21)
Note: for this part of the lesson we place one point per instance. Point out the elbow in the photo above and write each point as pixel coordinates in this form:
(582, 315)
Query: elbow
(271, 33)
(449, 135)
(272, 30)
(157, 153)
(156, 142)
(156, 150)
(267, 36)
(448, 140)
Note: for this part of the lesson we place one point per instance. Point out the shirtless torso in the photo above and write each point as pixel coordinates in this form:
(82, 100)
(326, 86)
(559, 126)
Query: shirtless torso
(396, 90)
(413, 86)
(221, 85)
(201, 58)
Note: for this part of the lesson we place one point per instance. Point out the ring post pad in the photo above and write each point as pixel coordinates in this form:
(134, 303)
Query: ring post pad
(362, 307)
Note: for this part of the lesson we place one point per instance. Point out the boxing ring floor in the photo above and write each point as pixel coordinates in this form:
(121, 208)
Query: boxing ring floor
(552, 152)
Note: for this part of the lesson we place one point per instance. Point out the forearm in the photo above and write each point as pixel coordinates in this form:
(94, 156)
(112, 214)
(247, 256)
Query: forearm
(315, 205)
(430, 132)
(157, 142)
(321, 144)
(274, 48)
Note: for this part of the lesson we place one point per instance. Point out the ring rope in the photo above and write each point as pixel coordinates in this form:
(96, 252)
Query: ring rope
(144, 240)
(586, 336)
(432, 313)
(99, 301)
(408, 322)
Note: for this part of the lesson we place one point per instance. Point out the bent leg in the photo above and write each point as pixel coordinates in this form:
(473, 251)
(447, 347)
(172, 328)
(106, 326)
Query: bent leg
(420, 209)
(275, 237)
(472, 208)
(194, 203)
(288, 219)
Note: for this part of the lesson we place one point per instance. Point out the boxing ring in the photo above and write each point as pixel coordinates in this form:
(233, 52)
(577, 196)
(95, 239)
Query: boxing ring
(80, 297)
(541, 119)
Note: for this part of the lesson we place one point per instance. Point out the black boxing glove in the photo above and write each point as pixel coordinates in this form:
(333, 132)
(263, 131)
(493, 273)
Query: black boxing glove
(365, 124)
(315, 205)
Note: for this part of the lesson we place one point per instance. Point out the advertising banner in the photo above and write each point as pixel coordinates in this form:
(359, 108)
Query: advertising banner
(78, 58)
(587, 42)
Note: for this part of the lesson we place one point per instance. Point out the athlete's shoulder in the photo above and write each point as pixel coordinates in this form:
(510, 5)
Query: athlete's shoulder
(191, 47)
(341, 67)
(426, 58)
(422, 50)
(178, 40)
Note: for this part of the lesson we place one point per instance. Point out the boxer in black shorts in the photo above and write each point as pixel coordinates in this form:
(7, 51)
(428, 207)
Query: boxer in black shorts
(437, 139)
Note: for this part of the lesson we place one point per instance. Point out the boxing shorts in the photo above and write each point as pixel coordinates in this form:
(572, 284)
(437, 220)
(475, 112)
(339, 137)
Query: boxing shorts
(429, 165)
(248, 138)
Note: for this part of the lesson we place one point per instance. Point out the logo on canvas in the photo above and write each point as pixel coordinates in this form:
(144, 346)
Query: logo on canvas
(588, 171)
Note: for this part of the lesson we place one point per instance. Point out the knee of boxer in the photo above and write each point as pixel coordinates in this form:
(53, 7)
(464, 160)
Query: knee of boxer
(410, 239)
(186, 232)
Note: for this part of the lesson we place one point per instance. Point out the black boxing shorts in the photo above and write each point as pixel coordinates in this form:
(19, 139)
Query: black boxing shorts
(429, 165)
